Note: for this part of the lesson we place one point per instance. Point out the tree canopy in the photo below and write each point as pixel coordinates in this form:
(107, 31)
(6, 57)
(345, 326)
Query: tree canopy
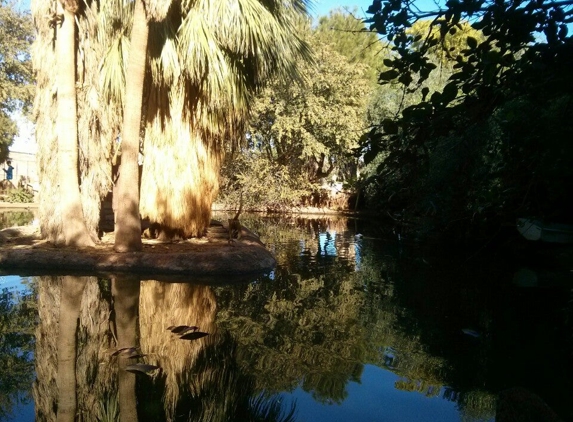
(16, 34)
(206, 64)
(301, 135)
(494, 141)
(202, 62)
(347, 35)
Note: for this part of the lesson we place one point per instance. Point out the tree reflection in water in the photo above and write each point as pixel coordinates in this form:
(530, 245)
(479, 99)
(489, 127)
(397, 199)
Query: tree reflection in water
(70, 299)
(198, 379)
(335, 306)
(18, 317)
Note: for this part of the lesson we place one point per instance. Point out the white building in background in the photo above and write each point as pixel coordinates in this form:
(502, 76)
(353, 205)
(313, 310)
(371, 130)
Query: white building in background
(23, 154)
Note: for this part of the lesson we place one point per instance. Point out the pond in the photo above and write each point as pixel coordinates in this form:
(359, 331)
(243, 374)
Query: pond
(353, 324)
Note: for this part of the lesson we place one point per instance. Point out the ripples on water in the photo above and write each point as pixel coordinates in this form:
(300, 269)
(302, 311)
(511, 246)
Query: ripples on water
(351, 325)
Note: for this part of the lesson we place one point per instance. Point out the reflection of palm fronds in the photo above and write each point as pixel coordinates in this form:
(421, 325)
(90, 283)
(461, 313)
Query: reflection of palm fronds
(95, 373)
(44, 388)
(216, 389)
(201, 378)
(95, 379)
(165, 304)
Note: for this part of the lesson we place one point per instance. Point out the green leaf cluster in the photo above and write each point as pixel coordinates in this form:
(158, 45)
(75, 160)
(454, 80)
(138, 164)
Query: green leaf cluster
(491, 141)
(348, 36)
(306, 132)
(20, 195)
(16, 76)
(243, 176)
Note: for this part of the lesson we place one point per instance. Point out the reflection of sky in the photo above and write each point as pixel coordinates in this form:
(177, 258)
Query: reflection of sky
(375, 399)
(326, 243)
(357, 256)
(327, 246)
(21, 412)
(13, 283)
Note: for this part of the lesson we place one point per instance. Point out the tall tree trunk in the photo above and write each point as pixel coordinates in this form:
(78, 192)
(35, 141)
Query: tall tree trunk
(125, 290)
(70, 299)
(128, 222)
(74, 227)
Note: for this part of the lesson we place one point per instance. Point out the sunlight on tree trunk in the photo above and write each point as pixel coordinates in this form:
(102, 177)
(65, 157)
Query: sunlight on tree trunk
(73, 224)
(98, 119)
(128, 222)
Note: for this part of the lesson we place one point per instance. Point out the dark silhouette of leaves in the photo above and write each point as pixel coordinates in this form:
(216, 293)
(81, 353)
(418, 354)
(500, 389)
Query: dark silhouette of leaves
(143, 368)
(124, 351)
(194, 335)
(180, 329)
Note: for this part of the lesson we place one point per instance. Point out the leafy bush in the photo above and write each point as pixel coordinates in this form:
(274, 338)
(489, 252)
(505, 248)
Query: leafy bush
(263, 184)
(20, 195)
(493, 143)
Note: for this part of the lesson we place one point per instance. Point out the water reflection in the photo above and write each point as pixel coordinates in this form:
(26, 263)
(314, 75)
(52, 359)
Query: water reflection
(83, 370)
(125, 292)
(70, 299)
(346, 327)
(11, 218)
(17, 322)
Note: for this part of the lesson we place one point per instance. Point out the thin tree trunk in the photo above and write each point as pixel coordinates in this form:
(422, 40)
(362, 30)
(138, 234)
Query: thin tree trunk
(74, 227)
(128, 222)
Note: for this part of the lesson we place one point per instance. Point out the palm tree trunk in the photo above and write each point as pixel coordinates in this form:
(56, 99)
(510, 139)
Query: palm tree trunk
(128, 222)
(70, 300)
(125, 290)
(74, 227)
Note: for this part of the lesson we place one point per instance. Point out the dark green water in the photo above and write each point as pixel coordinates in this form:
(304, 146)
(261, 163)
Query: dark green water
(351, 325)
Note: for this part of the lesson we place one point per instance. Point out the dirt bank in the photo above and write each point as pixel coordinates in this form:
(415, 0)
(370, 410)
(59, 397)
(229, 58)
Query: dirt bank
(212, 259)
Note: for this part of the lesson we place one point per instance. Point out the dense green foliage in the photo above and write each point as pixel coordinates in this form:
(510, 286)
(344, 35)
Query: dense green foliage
(493, 142)
(346, 34)
(301, 135)
(15, 70)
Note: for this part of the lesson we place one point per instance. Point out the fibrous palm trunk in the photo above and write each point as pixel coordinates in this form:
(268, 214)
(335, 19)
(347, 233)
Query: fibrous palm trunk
(128, 222)
(74, 227)
(70, 301)
(125, 290)
(207, 58)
